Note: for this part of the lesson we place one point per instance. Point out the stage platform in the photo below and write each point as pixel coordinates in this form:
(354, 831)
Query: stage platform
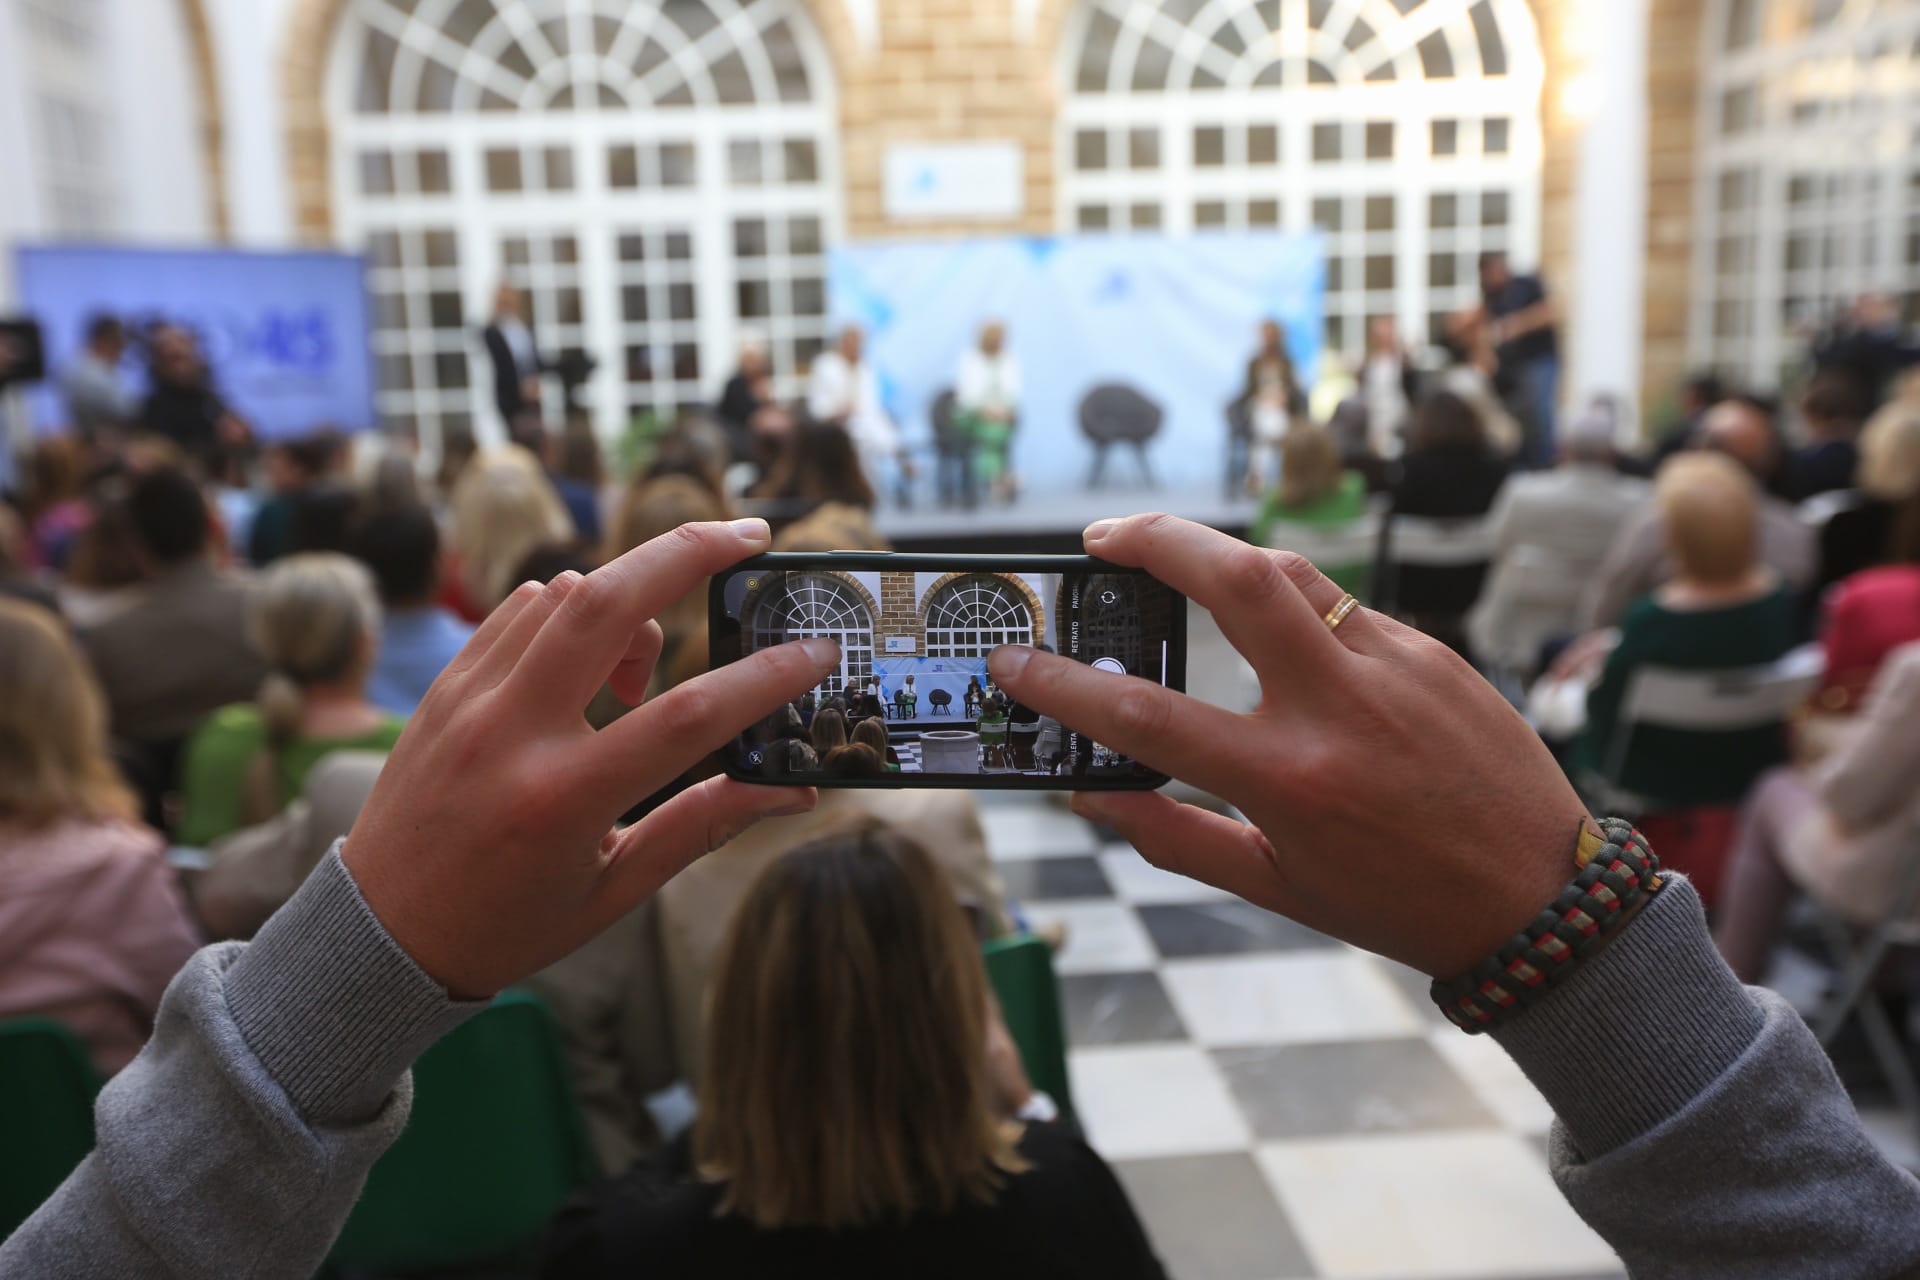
(1050, 522)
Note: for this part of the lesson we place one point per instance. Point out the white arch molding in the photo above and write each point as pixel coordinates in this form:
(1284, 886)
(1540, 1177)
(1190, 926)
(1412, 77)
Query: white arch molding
(1406, 131)
(660, 178)
(972, 616)
(804, 606)
(1809, 186)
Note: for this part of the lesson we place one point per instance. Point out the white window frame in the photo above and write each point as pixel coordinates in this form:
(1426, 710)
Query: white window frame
(591, 211)
(1410, 101)
(815, 605)
(980, 604)
(1859, 149)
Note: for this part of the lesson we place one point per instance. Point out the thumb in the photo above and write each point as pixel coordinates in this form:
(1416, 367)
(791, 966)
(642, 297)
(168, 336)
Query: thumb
(682, 831)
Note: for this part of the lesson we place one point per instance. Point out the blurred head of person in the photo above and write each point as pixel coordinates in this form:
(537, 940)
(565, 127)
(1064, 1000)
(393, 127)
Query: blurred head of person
(577, 456)
(400, 546)
(54, 761)
(818, 466)
(1383, 336)
(834, 526)
(1310, 466)
(993, 338)
(854, 939)
(1588, 438)
(315, 619)
(753, 358)
(855, 760)
(169, 518)
(695, 448)
(106, 338)
(1445, 420)
(57, 472)
(853, 342)
(1495, 271)
(828, 731)
(1889, 467)
(392, 481)
(293, 465)
(549, 560)
(785, 756)
(509, 302)
(503, 507)
(1742, 428)
(872, 733)
(1710, 506)
(457, 449)
(175, 357)
(1701, 392)
(655, 506)
(1832, 407)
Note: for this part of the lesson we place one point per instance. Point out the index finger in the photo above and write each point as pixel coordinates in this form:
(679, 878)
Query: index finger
(1180, 736)
(592, 630)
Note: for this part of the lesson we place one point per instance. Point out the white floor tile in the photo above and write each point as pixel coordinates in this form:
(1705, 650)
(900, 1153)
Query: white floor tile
(1158, 1100)
(1495, 1079)
(1136, 880)
(1430, 1205)
(1035, 828)
(1102, 937)
(1287, 999)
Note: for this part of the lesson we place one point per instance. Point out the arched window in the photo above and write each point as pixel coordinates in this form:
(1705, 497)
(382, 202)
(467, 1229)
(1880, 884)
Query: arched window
(974, 614)
(1809, 190)
(1407, 131)
(801, 606)
(658, 177)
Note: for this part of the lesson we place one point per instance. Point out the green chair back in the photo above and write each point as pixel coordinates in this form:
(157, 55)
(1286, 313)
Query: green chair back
(494, 1145)
(1021, 970)
(47, 1085)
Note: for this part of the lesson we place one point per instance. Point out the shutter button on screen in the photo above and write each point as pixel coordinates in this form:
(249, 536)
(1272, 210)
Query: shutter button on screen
(1110, 664)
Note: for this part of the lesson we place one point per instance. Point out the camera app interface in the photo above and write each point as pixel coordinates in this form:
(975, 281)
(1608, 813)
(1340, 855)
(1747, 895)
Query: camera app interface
(912, 694)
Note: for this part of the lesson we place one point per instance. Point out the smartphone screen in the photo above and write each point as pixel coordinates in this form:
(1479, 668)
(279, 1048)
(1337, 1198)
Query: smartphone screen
(912, 702)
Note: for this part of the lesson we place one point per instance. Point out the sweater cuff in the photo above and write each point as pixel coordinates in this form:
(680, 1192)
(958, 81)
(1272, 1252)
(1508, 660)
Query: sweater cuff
(331, 1006)
(1639, 1030)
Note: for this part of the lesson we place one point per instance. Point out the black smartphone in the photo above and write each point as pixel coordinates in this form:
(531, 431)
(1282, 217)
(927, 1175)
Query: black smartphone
(912, 703)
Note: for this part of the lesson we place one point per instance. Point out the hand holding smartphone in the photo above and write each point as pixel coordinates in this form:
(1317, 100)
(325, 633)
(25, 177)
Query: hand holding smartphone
(912, 703)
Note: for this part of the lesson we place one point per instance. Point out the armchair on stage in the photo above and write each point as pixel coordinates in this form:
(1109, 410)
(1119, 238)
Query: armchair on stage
(1114, 413)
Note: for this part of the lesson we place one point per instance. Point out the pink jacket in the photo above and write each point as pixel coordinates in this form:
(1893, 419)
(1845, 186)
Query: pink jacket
(92, 928)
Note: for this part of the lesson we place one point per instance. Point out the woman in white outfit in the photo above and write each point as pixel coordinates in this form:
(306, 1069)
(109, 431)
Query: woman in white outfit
(844, 389)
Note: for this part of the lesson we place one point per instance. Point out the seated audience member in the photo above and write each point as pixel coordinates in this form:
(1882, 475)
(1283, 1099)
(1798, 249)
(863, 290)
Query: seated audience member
(16, 582)
(92, 922)
(784, 757)
(1698, 394)
(855, 760)
(1839, 830)
(1722, 608)
(1872, 613)
(106, 569)
(1549, 530)
(502, 507)
(1451, 470)
(1638, 561)
(316, 620)
(57, 511)
(579, 473)
(818, 466)
(828, 731)
(1315, 490)
(861, 1107)
(400, 545)
(833, 526)
(871, 733)
(294, 469)
(1858, 537)
(1831, 411)
(180, 651)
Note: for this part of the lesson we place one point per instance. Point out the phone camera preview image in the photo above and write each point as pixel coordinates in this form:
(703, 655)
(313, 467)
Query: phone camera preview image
(912, 702)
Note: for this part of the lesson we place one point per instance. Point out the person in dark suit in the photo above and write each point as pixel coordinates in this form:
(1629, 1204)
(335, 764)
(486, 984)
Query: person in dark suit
(517, 363)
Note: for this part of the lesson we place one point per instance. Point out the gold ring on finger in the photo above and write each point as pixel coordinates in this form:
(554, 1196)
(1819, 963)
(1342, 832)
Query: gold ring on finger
(1338, 614)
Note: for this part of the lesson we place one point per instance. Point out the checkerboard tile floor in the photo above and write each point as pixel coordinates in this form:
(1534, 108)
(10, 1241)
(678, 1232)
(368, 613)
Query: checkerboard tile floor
(1279, 1105)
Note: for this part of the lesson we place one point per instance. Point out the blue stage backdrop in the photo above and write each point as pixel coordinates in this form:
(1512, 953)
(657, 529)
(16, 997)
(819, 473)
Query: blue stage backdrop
(1174, 318)
(286, 332)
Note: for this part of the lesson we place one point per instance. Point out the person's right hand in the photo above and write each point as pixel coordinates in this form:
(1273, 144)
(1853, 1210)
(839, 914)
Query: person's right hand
(487, 848)
(1396, 800)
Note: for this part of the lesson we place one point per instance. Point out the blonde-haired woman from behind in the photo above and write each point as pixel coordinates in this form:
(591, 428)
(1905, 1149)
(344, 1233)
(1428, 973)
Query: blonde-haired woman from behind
(316, 620)
(502, 507)
(93, 923)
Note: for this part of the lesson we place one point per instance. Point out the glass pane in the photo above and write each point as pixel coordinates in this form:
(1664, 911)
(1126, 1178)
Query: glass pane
(1379, 139)
(1209, 146)
(559, 169)
(1210, 213)
(503, 169)
(743, 163)
(754, 299)
(749, 238)
(442, 249)
(809, 296)
(1144, 217)
(676, 164)
(803, 164)
(1379, 213)
(803, 236)
(623, 167)
(679, 246)
(1493, 209)
(1143, 148)
(1090, 150)
(1446, 137)
(680, 302)
(1380, 271)
(1091, 217)
(1443, 211)
(1497, 139)
(1327, 213)
(1326, 142)
(1263, 213)
(1263, 144)
(436, 176)
(376, 173)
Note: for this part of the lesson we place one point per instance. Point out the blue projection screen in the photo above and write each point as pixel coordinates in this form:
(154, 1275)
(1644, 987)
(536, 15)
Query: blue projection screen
(1174, 318)
(286, 333)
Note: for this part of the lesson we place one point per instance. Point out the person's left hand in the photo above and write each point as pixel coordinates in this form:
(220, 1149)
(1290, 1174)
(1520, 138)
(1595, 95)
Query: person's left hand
(487, 848)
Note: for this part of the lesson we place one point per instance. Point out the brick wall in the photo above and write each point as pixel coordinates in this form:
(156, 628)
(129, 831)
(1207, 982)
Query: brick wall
(1674, 55)
(899, 613)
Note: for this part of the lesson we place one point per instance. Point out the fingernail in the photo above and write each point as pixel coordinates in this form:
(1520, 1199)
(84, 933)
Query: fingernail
(824, 652)
(1101, 528)
(1008, 661)
(752, 528)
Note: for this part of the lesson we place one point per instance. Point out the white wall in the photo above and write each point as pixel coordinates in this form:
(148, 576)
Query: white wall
(250, 39)
(158, 112)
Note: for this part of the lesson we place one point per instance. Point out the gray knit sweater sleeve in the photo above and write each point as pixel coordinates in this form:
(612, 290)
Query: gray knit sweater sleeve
(235, 1144)
(1701, 1129)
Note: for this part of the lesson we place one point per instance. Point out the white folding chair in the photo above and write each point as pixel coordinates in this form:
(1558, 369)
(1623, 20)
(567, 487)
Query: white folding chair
(1424, 542)
(1814, 512)
(1344, 547)
(1860, 957)
(1722, 701)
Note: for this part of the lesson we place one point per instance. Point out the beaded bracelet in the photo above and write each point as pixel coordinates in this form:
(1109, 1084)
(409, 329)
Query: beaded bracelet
(1617, 873)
